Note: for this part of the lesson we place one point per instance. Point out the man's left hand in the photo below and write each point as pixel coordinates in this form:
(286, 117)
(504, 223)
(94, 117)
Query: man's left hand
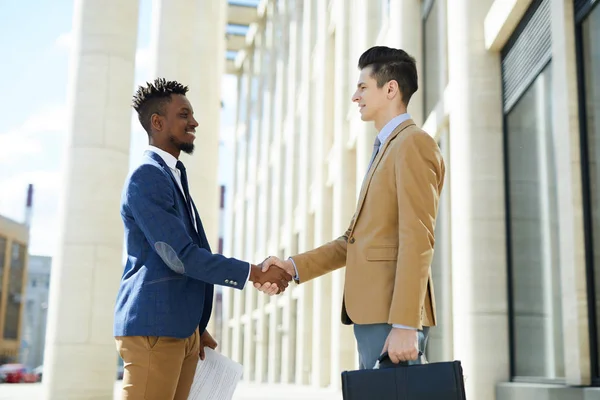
(206, 340)
(402, 345)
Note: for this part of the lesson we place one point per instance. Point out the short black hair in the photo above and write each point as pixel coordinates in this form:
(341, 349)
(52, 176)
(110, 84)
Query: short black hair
(389, 64)
(152, 98)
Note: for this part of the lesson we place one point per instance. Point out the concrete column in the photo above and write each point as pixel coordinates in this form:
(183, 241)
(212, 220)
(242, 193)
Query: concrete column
(80, 357)
(407, 35)
(290, 349)
(303, 221)
(237, 339)
(565, 119)
(342, 173)
(247, 339)
(183, 53)
(321, 202)
(440, 345)
(476, 183)
(365, 28)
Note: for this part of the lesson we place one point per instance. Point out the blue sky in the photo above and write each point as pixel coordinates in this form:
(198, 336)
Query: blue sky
(35, 36)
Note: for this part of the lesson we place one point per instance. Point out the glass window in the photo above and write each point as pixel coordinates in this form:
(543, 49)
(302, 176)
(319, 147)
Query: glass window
(590, 30)
(431, 55)
(534, 234)
(15, 291)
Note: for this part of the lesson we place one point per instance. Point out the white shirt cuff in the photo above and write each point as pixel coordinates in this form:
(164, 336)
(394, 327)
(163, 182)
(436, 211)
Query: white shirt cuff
(248, 277)
(295, 269)
(403, 327)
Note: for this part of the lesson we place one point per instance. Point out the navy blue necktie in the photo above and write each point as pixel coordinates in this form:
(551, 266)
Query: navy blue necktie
(186, 188)
(193, 215)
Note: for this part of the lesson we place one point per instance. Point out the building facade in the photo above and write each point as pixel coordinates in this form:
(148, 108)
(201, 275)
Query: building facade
(511, 92)
(35, 311)
(14, 242)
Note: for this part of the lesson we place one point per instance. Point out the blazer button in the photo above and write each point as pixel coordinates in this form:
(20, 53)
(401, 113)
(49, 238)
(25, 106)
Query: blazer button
(351, 240)
(226, 280)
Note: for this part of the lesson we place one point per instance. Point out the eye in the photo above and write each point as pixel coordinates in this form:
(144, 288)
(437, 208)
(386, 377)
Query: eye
(184, 115)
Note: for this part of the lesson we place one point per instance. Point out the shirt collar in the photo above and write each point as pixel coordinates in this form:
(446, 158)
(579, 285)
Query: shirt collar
(387, 130)
(167, 158)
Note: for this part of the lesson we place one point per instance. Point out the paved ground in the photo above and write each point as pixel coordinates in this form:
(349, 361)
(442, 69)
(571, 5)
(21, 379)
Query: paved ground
(32, 391)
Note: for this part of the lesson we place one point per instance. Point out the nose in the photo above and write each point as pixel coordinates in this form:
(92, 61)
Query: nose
(355, 97)
(193, 122)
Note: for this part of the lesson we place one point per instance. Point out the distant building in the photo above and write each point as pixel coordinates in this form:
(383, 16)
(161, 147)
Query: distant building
(35, 311)
(14, 242)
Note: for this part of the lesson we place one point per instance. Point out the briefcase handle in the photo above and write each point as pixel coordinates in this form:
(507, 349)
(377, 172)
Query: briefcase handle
(384, 361)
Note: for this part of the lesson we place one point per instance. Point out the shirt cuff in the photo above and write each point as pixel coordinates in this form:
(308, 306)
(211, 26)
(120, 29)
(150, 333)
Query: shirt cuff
(295, 269)
(248, 277)
(403, 327)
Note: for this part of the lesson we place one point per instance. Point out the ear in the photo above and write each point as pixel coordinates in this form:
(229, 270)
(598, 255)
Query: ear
(392, 89)
(156, 122)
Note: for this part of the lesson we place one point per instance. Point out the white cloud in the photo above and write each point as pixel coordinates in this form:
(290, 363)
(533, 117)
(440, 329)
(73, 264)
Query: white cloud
(64, 41)
(13, 145)
(26, 139)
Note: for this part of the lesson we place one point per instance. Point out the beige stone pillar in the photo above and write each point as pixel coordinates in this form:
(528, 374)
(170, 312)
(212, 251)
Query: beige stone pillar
(365, 28)
(321, 199)
(189, 46)
(291, 347)
(407, 36)
(303, 221)
(80, 357)
(565, 119)
(476, 183)
(342, 173)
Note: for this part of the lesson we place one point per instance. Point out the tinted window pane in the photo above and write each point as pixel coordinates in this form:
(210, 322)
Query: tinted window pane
(591, 67)
(534, 233)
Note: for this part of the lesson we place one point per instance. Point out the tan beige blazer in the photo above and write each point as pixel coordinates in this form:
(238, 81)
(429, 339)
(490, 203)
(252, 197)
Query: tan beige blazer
(388, 247)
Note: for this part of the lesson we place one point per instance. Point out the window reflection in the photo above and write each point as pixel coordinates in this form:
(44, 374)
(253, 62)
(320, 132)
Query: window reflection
(534, 233)
(591, 68)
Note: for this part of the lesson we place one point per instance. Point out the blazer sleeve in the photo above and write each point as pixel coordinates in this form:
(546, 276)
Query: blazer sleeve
(322, 260)
(419, 172)
(152, 206)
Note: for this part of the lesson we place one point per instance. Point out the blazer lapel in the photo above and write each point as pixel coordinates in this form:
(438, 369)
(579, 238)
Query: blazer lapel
(162, 163)
(364, 189)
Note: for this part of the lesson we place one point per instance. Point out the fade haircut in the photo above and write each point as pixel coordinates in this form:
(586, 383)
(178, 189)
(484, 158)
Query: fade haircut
(389, 64)
(152, 99)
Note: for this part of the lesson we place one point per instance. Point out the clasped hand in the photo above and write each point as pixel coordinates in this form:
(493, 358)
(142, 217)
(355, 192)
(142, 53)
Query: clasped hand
(272, 280)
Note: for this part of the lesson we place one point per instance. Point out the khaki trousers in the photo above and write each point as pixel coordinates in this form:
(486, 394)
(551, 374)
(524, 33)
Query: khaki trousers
(158, 367)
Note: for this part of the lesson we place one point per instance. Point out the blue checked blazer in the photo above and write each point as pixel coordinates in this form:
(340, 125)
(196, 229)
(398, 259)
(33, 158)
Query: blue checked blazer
(167, 285)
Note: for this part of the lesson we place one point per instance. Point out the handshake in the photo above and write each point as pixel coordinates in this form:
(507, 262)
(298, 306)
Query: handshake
(272, 280)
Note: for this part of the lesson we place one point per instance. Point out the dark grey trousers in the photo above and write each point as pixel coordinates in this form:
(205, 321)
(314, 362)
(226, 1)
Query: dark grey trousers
(371, 338)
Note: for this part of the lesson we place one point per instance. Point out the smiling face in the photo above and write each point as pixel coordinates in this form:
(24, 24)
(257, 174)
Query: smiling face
(372, 100)
(174, 128)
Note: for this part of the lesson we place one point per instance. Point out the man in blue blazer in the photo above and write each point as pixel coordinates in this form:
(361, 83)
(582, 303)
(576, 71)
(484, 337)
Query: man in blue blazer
(165, 297)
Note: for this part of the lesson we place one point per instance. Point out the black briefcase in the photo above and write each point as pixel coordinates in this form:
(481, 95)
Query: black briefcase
(435, 381)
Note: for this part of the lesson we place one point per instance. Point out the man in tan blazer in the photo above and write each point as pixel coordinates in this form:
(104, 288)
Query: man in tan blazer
(388, 247)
